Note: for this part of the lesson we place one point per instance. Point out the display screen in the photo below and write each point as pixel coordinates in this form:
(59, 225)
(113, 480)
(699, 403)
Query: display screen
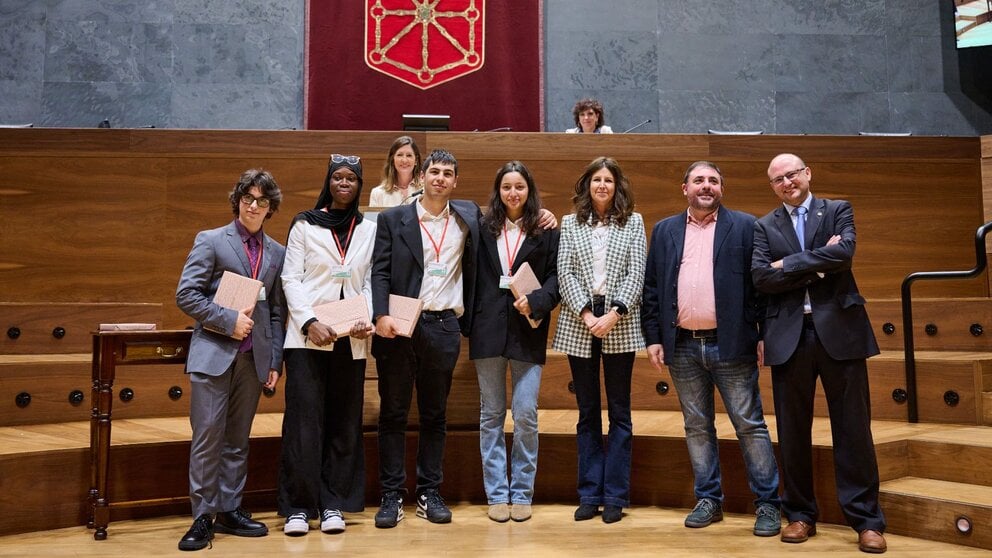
(973, 22)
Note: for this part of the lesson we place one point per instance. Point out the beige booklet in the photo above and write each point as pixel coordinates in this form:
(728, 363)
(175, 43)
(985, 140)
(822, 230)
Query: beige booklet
(523, 283)
(343, 314)
(237, 292)
(129, 326)
(405, 312)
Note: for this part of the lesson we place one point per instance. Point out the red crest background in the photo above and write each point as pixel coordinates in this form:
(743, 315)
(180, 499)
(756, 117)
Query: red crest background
(449, 45)
(344, 93)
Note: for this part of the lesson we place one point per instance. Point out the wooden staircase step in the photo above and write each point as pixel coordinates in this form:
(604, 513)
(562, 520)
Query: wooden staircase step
(954, 455)
(930, 508)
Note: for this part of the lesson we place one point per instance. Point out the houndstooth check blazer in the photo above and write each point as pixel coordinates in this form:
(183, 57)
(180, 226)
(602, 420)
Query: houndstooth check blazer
(625, 261)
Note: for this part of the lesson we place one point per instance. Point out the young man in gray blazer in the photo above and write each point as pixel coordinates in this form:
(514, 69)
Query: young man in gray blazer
(816, 326)
(233, 353)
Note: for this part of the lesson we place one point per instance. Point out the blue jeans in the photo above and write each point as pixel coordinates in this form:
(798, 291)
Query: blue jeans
(492, 442)
(604, 469)
(696, 368)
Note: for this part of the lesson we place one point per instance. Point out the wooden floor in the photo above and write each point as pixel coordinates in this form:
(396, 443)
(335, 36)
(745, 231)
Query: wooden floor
(644, 531)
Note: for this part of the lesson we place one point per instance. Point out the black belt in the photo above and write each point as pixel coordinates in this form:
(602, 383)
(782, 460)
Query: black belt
(698, 333)
(439, 314)
(808, 321)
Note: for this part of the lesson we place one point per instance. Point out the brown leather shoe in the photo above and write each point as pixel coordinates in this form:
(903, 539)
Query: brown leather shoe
(798, 531)
(871, 541)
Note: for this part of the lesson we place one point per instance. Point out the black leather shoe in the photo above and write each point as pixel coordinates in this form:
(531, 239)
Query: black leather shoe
(240, 523)
(612, 514)
(199, 535)
(585, 512)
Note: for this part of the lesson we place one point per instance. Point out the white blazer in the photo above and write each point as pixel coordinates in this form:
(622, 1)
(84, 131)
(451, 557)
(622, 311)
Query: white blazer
(307, 279)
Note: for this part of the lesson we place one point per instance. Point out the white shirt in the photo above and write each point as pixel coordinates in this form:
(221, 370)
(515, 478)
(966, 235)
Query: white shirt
(600, 241)
(514, 235)
(442, 291)
(379, 197)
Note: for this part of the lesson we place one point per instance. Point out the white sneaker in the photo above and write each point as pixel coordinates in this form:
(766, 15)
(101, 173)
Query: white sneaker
(331, 521)
(296, 524)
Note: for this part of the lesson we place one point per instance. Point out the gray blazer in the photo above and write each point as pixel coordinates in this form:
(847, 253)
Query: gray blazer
(214, 252)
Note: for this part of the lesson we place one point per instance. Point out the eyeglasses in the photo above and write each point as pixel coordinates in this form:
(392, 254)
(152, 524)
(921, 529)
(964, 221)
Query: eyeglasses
(350, 159)
(249, 199)
(790, 176)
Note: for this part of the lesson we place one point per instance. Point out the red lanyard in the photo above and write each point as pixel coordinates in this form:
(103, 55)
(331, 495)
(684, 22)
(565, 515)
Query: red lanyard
(510, 256)
(347, 240)
(258, 262)
(437, 245)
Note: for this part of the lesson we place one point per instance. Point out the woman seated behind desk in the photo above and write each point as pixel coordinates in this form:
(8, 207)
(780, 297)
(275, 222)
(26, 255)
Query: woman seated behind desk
(400, 181)
(589, 118)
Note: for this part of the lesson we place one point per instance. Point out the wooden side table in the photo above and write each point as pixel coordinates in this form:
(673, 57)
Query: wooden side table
(110, 349)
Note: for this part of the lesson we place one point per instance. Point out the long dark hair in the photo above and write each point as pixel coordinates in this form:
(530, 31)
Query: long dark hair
(623, 196)
(495, 216)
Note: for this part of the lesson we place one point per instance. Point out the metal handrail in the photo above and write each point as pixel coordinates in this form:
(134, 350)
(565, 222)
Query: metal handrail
(907, 311)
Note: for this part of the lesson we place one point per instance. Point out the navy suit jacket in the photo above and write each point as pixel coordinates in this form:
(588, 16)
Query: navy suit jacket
(838, 308)
(398, 261)
(498, 329)
(738, 306)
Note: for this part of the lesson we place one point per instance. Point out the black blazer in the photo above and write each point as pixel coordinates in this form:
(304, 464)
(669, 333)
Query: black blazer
(838, 308)
(739, 308)
(398, 262)
(498, 329)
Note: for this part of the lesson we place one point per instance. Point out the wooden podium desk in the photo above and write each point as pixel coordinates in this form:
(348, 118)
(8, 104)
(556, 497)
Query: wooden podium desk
(110, 349)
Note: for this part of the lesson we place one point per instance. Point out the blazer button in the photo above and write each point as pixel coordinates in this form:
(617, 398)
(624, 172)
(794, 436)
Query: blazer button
(675, 305)
(674, 324)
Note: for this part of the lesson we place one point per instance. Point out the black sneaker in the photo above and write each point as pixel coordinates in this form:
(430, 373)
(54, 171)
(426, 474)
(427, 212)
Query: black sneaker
(586, 511)
(390, 510)
(612, 514)
(199, 535)
(431, 507)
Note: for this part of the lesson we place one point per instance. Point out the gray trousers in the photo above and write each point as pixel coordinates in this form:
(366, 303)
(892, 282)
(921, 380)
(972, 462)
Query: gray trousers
(221, 412)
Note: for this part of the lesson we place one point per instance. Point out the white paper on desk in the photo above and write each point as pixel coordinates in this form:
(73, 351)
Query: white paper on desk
(523, 283)
(405, 312)
(342, 315)
(237, 292)
(127, 327)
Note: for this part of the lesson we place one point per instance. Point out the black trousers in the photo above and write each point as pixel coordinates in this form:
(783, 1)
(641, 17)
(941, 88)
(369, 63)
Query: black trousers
(425, 361)
(323, 453)
(845, 384)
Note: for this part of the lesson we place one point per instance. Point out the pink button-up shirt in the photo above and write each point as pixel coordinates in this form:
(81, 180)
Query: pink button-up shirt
(697, 300)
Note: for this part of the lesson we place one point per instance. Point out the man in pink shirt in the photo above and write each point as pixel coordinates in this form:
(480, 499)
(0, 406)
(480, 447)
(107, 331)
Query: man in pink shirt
(701, 316)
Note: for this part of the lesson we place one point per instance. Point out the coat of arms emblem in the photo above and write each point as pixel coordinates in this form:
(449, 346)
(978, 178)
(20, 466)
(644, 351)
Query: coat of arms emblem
(425, 42)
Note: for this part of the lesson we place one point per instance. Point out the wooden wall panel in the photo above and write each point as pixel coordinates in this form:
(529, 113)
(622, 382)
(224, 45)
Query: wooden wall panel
(109, 215)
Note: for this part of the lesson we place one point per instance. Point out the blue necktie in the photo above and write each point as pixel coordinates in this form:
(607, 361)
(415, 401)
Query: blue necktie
(800, 213)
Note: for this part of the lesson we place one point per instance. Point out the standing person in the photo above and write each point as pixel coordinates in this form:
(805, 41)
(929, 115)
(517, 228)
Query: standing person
(501, 336)
(590, 118)
(399, 175)
(232, 355)
(328, 258)
(816, 325)
(601, 274)
(424, 250)
(701, 317)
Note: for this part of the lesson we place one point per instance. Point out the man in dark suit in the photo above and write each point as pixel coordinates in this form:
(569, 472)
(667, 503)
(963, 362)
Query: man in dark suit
(423, 250)
(700, 316)
(233, 353)
(816, 325)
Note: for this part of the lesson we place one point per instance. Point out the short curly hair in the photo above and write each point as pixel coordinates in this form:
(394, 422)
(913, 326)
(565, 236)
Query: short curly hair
(589, 103)
(265, 182)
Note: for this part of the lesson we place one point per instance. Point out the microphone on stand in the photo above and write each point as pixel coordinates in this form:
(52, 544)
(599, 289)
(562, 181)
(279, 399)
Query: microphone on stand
(636, 127)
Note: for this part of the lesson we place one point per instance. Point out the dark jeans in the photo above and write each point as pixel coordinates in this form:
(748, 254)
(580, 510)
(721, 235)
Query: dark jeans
(323, 455)
(845, 384)
(425, 360)
(604, 468)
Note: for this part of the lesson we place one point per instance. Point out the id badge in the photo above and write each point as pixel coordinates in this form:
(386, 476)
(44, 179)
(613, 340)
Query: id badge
(340, 271)
(504, 281)
(436, 269)
(261, 293)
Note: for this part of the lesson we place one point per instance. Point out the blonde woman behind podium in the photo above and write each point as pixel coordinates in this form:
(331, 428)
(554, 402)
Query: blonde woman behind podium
(400, 175)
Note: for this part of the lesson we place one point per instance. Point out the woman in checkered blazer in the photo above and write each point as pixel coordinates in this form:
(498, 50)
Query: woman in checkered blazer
(601, 260)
